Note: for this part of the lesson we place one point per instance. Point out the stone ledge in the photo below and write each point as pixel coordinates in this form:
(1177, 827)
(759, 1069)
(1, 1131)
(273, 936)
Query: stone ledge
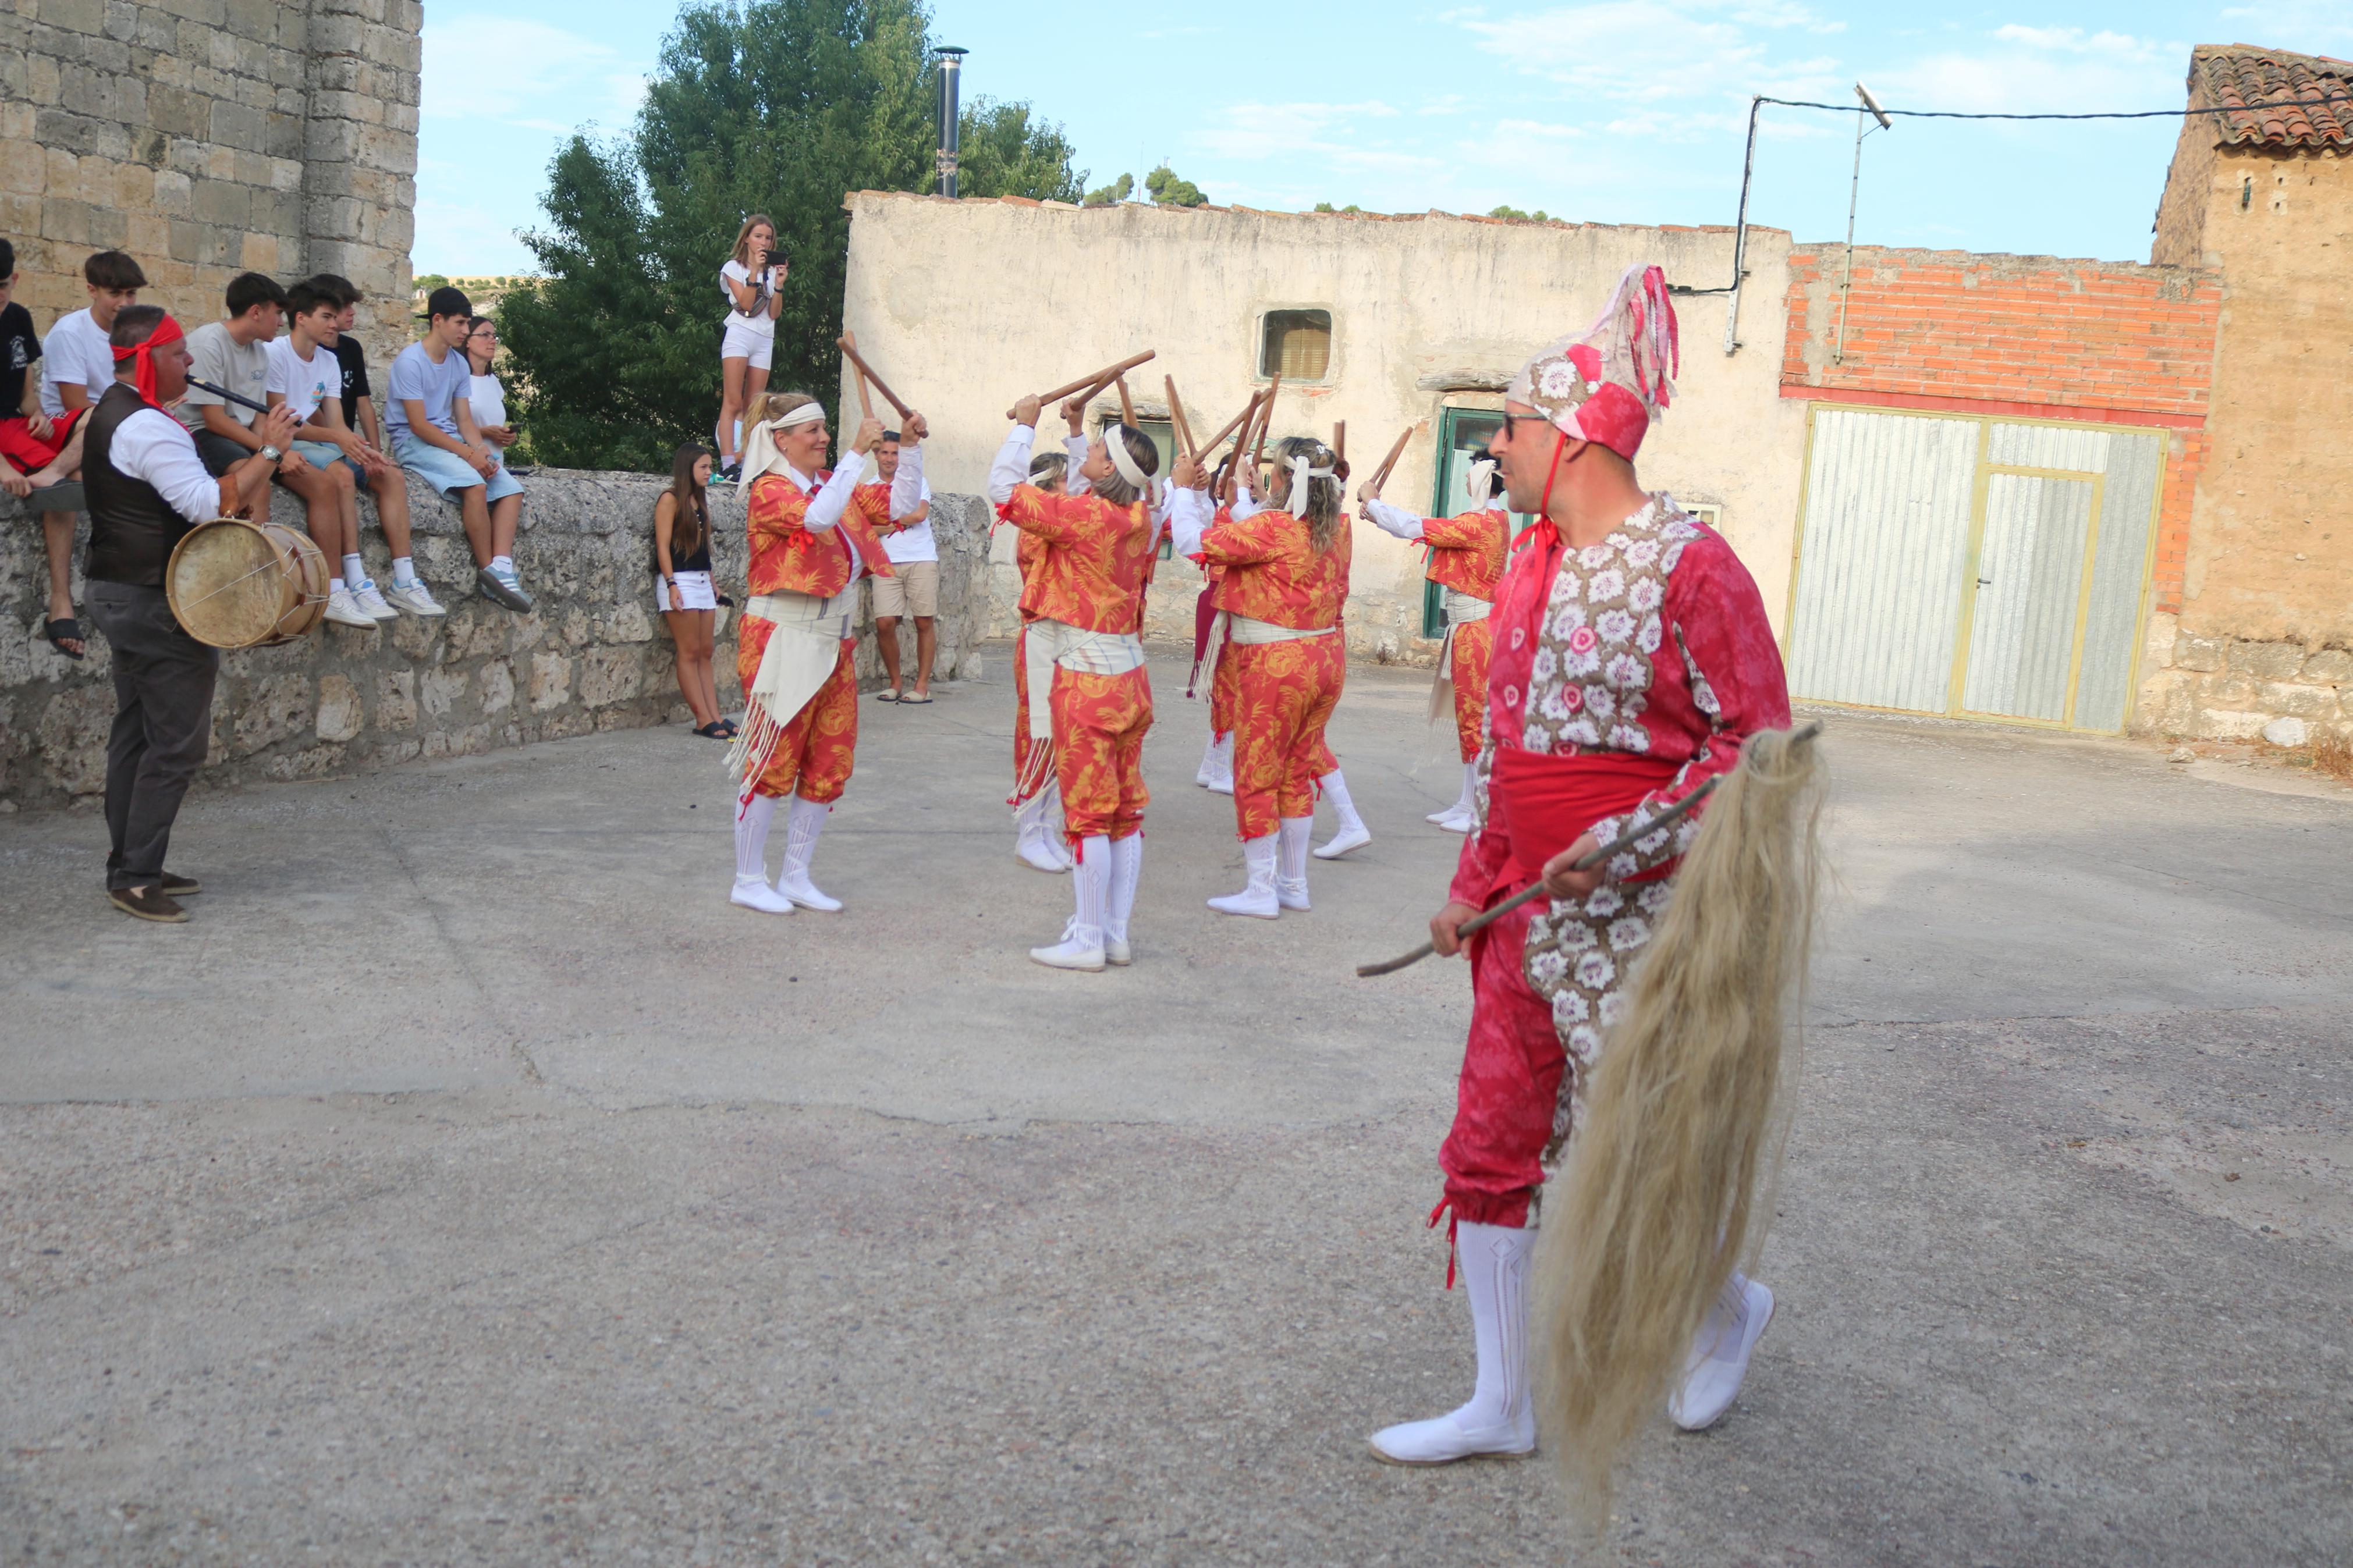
(592, 655)
(2235, 688)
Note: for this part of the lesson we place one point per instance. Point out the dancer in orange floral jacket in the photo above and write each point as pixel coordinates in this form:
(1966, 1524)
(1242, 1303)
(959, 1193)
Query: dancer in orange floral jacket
(1466, 559)
(810, 536)
(1085, 656)
(1284, 579)
(1632, 659)
(1036, 810)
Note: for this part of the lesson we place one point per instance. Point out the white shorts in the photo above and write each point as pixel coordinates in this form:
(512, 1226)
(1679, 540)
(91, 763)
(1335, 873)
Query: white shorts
(695, 592)
(746, 342)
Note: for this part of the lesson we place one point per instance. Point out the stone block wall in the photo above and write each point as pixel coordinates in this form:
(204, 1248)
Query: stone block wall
(208, 137)
(593, 655)
(2238, 689)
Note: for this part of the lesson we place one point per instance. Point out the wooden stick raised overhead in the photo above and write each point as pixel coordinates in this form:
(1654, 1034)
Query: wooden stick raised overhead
(1177, 422)
(1214, 442)
(866, 370)
(865, 401)
(1381, 474)
(1340, 450)
(1126, 407)
(1090, 384)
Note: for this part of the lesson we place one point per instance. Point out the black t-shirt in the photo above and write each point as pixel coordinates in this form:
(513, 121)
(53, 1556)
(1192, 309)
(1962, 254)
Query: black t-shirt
(19, 347)
(354, 359)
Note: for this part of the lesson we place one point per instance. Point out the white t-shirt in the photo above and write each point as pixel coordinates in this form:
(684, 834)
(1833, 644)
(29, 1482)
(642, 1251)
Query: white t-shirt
(75, 350)
(304, 383)
(488, 399)
(910, 489)
(214, 356)
(760, 325)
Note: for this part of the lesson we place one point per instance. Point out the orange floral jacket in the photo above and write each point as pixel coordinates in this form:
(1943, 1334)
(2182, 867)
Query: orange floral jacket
(1466, 552)
(1096, 560)
(1272, 573)
(786, 558)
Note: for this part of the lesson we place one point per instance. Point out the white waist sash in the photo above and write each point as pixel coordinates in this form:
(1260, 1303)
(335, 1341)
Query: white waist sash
(798, 661)
(1462, 608)
(1242, 629)
(1047, 643)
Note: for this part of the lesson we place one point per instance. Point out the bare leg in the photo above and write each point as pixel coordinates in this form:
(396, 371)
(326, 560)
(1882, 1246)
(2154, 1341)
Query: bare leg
(732, 403)
(504, 517)
(693, 646)
(886, 638)
(474, 515)
(65, 464)
(390, 488)
(322, 514)
(57, 539)
(927, 643)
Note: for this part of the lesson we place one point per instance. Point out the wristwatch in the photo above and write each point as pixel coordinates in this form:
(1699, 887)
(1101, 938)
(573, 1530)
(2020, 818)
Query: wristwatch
(269, 454)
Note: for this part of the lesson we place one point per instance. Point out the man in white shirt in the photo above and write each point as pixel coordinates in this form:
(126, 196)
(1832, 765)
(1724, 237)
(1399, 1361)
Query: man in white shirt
(147, 490)
(76, 367)
(913, 586)
(306, 376)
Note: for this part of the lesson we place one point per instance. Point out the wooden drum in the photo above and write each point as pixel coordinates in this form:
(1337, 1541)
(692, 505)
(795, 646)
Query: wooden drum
(235, 584)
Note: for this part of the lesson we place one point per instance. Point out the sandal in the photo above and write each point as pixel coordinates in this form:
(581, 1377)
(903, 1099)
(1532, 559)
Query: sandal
(715, 731)
(58, 631)
(889, 694)
(727, 731)
(918, 699)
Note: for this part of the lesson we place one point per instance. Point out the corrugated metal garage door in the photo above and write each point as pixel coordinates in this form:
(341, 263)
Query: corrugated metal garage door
(1956, 564)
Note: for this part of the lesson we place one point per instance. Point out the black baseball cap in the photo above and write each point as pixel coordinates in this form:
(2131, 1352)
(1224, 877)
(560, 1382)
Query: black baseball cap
(446, 301)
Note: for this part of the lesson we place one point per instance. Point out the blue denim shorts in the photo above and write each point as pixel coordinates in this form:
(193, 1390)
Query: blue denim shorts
(447, 472)
(325, 455)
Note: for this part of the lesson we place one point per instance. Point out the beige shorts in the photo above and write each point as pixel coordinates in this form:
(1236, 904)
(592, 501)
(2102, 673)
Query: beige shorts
(912, 590)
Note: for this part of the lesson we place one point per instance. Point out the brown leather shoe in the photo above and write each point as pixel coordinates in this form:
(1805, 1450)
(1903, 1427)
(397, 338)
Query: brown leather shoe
(179, 887)
(147, 904)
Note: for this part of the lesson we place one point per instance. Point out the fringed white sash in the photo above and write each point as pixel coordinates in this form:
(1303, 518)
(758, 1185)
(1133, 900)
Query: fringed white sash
(1462, 608)
(799, 659)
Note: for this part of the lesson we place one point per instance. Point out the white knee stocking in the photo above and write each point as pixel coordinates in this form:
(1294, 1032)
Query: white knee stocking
(752, 838)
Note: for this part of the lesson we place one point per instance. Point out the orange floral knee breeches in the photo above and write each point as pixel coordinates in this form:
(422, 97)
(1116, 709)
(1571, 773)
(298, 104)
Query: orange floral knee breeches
(1100, 722)
(1021, 741)
(1285, 694)
(819, 748)
(1473, 642)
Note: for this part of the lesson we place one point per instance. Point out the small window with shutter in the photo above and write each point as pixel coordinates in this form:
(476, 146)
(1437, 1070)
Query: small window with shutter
(1297, 345)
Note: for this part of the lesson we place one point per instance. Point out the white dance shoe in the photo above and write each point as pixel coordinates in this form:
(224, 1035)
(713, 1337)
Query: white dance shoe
(1719, 1356)
(1500, 1422)
(1082, 948)
(754, 893)
(1257, 898)
(1443, 1439)
(1353, 835)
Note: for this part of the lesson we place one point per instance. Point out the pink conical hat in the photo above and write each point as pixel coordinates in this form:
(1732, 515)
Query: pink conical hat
(1608, 384)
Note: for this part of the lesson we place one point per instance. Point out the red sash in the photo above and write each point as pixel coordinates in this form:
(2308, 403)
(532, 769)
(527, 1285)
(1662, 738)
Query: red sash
(1546, 803)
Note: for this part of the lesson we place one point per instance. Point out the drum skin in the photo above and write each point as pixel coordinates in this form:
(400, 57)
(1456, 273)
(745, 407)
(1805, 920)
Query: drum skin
(237, 584)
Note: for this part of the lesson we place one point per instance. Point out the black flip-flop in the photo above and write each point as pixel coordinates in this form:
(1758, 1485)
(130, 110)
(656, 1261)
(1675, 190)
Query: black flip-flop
(59, 629)
(727, 731)
(715, 731)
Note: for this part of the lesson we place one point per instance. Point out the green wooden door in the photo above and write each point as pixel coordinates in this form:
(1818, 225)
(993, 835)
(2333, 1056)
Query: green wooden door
(1463, 435)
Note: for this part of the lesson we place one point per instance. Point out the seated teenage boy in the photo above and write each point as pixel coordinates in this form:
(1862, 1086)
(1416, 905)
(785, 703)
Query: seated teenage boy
(434, 437)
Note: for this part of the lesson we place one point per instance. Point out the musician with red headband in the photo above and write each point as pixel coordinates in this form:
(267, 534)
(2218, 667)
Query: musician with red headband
(1631, 659)
(146, 488)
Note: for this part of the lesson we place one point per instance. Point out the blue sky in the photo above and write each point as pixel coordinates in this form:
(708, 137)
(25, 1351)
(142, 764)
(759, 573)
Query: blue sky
(1619, 111)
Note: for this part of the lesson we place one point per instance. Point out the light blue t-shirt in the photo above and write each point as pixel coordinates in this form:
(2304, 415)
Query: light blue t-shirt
(437, 386)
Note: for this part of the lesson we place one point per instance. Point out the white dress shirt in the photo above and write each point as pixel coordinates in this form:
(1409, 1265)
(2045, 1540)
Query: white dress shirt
(152, 446)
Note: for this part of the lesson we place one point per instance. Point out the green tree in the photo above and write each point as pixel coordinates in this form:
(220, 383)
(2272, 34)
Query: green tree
(1112, 193)
(1328, 207)
(1170, 191)
(777, 106)
(1535, 216)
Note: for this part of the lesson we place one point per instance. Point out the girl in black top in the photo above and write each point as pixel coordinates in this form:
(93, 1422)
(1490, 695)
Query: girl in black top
(682, 584)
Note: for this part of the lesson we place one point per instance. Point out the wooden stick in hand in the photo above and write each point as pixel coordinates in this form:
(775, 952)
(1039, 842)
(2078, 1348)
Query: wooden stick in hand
(1177, 421)
(1090, 384)
(865, 400)
(866, 370)
(1381, 474)
(1126, 408)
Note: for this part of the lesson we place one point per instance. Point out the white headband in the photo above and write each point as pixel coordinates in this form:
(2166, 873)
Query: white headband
(1302, 474)
(801, 415)
(1482, 479)
(1122, 460)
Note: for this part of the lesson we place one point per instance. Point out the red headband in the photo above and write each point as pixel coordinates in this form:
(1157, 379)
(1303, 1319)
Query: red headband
(167, 330)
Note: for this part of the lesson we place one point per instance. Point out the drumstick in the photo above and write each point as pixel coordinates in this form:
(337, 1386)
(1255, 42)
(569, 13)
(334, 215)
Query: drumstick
(880, 385)
(1126, 408)
(1090, 384)
(865, 403)
(1177, 417)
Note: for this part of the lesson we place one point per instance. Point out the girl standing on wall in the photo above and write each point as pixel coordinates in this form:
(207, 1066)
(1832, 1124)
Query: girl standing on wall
(753, 281)
(683, 586)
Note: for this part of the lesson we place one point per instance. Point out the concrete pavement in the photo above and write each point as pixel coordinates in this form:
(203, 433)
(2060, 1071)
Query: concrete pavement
(468, 1182)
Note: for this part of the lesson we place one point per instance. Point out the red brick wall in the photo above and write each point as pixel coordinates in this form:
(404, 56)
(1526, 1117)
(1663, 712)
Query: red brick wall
(2026, 336)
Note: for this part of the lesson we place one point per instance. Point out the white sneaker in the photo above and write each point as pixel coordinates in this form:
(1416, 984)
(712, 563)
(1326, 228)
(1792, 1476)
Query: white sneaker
(344, 611)
(1443, 1439)
(414, 599)
(797, 886)
(1719, 1357)
(1352, 835)
(754, 893)
(366, 597)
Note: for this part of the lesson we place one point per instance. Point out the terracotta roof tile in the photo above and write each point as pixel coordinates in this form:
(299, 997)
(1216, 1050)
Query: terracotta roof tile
(2298, 101)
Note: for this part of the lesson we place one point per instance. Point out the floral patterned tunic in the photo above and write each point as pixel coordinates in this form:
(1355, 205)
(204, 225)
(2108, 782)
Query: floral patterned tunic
(1651, 644)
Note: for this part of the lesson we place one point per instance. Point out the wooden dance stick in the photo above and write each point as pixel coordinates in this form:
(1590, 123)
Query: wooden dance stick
(865, 401)
(1340, 450)
(866, 371)
(1617, 846)
(1126, 408)
(1090, 384)
(1381, 474)
(1176, 419)
(1214, 442)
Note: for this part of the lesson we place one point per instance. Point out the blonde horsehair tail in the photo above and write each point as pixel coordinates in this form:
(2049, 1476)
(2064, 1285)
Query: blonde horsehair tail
(1669, 1180)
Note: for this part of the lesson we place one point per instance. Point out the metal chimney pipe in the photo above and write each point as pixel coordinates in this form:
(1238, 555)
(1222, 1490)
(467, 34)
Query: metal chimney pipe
(950, 72)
